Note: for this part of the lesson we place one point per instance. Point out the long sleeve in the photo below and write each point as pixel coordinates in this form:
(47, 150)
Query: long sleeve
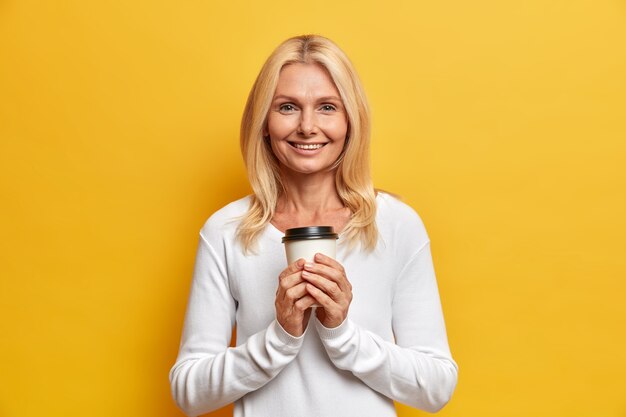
(209, 374)
(417, 369)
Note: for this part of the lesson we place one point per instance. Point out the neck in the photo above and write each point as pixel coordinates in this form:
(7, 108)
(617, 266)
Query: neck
(310, 194)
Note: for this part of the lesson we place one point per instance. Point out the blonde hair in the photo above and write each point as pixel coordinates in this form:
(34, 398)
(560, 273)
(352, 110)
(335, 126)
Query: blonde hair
(353, 179)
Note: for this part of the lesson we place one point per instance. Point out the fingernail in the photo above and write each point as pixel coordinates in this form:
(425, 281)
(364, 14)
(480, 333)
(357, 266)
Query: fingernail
(319, 256)
(309, 265)
(305, 274)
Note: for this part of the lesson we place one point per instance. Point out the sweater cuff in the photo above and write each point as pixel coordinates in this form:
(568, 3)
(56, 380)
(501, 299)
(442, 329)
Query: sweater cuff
(286, 338)
(344, 331)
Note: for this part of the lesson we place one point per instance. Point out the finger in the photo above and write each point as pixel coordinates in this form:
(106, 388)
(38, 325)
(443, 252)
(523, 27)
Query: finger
(336, 275)
(291, 269)
(290, 276)
(290, 281)
(305, 302)
(293, 294)
(330, 287)
(321, 297)
(320, 258)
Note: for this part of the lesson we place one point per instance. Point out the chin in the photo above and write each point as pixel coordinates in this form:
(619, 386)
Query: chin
(306, 169)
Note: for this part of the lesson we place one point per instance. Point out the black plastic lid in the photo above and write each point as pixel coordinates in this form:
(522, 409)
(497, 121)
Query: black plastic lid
(311, 232)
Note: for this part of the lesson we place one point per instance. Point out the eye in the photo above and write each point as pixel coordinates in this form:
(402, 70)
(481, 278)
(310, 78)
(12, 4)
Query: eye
(286, 108)
(328, 107)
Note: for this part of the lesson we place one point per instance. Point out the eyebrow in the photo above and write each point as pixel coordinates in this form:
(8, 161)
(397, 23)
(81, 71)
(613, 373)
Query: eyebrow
(325, 98)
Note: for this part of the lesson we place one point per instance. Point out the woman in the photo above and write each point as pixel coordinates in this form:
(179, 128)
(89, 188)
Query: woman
(377, 332)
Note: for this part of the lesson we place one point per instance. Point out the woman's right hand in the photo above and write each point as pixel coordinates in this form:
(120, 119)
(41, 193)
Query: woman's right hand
(293, 302)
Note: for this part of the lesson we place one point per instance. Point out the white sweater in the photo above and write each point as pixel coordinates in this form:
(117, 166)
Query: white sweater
(392, 346)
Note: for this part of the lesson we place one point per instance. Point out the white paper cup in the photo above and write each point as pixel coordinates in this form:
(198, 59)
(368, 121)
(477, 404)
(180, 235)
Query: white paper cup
(305, 242)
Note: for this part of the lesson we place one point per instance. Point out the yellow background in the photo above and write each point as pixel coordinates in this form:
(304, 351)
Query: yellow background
(502, 123)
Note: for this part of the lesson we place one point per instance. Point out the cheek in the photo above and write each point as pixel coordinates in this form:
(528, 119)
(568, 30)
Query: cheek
(337, 129)
(279, 127)
(275, 148)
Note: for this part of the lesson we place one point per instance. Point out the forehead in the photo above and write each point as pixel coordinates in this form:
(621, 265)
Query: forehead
(305, 80)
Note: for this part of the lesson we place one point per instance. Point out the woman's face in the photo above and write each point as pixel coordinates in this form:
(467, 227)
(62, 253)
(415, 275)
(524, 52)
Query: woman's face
(307, 122)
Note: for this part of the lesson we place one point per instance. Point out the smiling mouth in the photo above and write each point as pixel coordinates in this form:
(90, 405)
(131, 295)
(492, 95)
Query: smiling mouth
(307, 146)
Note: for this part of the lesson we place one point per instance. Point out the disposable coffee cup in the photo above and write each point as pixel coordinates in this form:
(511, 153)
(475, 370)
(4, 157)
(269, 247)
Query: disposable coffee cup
(305, 242)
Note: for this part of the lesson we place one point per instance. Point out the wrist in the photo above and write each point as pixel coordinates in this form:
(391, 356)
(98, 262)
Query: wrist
(286, 337)
(326, 332)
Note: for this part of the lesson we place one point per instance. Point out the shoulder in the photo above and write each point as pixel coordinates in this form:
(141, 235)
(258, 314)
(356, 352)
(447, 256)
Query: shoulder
(399, 222)
(393, 209)
(223, 223)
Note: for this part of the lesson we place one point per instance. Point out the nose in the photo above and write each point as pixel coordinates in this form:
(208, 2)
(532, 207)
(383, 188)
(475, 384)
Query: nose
(308, 123)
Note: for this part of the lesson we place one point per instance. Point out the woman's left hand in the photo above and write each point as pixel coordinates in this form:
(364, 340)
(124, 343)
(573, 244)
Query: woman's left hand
(328, 284)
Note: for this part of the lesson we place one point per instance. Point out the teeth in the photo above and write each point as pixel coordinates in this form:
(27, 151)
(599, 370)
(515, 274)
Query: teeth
(308, 147)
